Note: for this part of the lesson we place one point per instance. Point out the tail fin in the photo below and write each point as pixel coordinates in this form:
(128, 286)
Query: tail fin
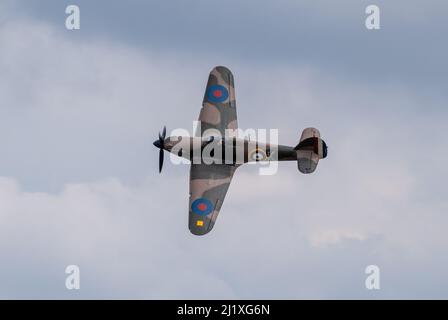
(310, 149)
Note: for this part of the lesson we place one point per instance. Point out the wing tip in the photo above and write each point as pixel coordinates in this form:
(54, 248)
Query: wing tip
(200, 232)
(222, 69)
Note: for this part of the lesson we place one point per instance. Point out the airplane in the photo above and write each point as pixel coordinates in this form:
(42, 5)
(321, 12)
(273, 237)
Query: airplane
(212, 172)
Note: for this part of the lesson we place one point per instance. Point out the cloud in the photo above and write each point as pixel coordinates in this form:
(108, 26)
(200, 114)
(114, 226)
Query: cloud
(80, 185)
(409, 48)
(68, 106)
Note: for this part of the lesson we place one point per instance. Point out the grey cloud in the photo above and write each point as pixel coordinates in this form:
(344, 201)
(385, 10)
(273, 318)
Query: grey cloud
(77, 118)
(409, 49)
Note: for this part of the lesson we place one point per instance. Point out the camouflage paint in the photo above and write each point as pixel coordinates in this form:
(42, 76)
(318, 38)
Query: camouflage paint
(209, 183)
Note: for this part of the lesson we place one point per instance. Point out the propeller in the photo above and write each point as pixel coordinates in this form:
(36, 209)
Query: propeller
(161, 145)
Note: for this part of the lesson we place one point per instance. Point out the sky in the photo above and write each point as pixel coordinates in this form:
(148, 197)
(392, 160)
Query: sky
(79, 181)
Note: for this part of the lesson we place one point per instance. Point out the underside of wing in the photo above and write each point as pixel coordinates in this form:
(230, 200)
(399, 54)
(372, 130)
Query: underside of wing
(208, 188)
(218, 108)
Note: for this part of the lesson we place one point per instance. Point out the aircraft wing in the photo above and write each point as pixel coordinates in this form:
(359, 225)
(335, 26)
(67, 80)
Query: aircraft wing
(208, 187)
(218, 108)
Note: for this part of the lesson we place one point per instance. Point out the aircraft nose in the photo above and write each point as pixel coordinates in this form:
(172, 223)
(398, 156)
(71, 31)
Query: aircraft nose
(158, 144)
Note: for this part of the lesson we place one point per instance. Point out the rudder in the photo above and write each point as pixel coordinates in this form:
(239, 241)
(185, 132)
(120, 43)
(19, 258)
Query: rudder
(310, 149)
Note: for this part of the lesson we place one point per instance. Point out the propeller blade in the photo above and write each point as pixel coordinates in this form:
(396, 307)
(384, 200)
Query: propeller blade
(163, 133)
(160, 160)
(161, 145)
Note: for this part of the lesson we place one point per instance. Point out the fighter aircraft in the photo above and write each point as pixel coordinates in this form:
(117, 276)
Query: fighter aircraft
(215, 153)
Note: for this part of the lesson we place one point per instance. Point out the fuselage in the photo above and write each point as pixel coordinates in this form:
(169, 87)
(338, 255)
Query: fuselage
(230, 151)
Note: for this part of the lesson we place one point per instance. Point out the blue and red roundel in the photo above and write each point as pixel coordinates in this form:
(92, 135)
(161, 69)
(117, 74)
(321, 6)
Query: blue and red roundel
(202, 206)
(217, 93)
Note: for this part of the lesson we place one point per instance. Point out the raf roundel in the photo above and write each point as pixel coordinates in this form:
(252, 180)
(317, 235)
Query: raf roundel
(217, 93)
(202, 206)
(257, 155)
